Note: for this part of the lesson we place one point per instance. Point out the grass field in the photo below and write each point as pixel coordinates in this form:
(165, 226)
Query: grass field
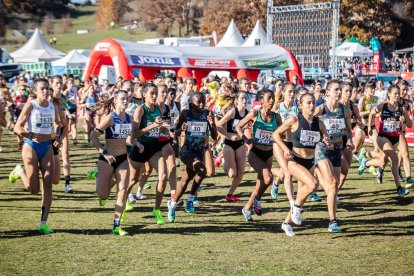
(377, 238)
(85, 19)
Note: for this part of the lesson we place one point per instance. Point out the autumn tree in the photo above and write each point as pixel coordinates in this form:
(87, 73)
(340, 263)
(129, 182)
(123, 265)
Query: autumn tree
(110, 10)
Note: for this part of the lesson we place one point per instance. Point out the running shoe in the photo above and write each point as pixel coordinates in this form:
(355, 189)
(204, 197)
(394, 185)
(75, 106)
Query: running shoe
(379, 177)
(314, 197)
(373, 170)
(363, 166)
(171, 211)
(196, 200)
(288, 229)
(131, 198)
(158, 216)
(68, 189)
(102, 202)
(140, 196)
(410, 183)
(189, 207)
(247, 215)
(295, 214)
(257, 207)
(15, 173)
(147, 186)
(119, 232)
(91, 175)
(232, 198)
(200, 187)
(361, 155)
(123, 216)
(129, 206)
(334, 227)
(45, 230)
(275, 190)
(402, 191)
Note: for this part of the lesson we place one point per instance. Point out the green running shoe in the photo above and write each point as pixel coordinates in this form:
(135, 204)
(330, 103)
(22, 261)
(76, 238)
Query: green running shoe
(275, 190)
(15, 173)
(362, 167)
(362, 155)
(129, 206)
(102, 202)
(171, 211)
(315, 197)
(123, 216)
(119, 232)
(147, 186)
(158, 215)
(373, 171)
(45, 230)
(402, 192)
(91, 175)
(410, 183)
(189, 207)
(334, 227)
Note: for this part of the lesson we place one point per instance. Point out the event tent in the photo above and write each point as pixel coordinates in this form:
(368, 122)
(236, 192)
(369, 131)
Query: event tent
(352, 49)
(195, 62)
(73, 63)
(232, 37)
(257, 37)
(35, 50)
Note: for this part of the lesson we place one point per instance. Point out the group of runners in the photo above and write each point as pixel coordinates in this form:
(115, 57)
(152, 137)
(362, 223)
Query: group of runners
(152, 126)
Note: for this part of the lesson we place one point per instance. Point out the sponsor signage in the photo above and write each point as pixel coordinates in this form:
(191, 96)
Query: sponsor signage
(155, 61)
(276, 64)
(212, 63)
(102, 46)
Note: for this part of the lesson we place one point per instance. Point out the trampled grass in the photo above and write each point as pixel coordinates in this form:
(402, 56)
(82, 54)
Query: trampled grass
(377, 238)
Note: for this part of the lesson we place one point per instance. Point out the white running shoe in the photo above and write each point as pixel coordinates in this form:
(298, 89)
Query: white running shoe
(131, 198)
(68, 189)
(295, 213)
(288, 229)
(140, 196)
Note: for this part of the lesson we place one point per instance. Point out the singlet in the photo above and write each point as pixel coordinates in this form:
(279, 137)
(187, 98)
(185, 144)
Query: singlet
(175, 113)
(351, 107)
(263, 131)
(334, 121)
(370, 103)
(381, 95)
(319, 101)
(41, 118)
(232, 123)
(286, 113)
(147, 119)
(197, 131)
(70, 99)
(166, 117)
(90, 102)
(307, 135)
(390, 124)
(120, 129)
(21, 99)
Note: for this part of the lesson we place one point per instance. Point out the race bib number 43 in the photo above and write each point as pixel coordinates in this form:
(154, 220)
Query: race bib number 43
(263, 136)
(309, 138)
(197, 129)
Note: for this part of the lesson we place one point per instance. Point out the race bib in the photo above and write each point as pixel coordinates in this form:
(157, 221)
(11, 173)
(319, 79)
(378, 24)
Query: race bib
(286, 116)
(372, 106)
(334, 125)
(263, 137)
(122, 130)
(44, 120)
(155, 132)
(197, 129)
(309, 137)
(391, 126)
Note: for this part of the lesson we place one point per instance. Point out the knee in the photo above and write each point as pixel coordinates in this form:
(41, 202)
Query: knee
(163, 177)
(232, 174)
(313, 185)
(103, 195)
(201, 170)
(267, 178)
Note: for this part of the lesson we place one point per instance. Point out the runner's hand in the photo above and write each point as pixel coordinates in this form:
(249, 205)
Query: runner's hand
(140, 147)
(57, 143)
(287, 154)
(110, 158)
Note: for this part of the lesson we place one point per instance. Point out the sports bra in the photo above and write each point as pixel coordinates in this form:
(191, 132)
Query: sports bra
(306, 136)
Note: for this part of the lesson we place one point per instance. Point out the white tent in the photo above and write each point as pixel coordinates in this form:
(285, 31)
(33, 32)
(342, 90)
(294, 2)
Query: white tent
(352, 49)
(35, 50)
(73, 61)
(257, 37)
(232, 37)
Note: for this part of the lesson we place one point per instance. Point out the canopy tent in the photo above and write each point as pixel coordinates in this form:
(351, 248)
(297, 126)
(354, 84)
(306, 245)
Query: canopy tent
(36, 49)
(405, 50)
(352, 49)
(188, 61)
(257, 37)
(72, 63)
(232, 37)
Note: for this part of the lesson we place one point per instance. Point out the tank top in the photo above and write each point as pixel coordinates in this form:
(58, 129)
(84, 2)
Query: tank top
(232, 123)
(370, 103)
(21, 99)
(334, 122)
(390, 124)
(41, 118)
(90, 102)
(166, 117)
(197, 131)
(147, 119)
(307, 135)
(175, 113)
(263, 131)
(286, 113)
(70, 99)
(120, 129)
(319, 101)
(352, 108)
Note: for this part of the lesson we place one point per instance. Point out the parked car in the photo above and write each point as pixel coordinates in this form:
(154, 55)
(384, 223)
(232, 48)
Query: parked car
(10, 69)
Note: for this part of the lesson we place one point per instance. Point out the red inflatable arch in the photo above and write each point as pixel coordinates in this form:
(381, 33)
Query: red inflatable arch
(186, 62)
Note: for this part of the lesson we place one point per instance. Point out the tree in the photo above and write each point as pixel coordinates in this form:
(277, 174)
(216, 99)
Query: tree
(110, 10)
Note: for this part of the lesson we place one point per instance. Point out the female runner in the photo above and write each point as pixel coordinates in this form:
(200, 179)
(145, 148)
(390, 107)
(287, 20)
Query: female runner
(41, 117)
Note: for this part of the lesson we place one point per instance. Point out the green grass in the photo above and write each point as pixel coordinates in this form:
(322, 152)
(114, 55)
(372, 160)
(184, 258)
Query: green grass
(377, 238)
(85, 19)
